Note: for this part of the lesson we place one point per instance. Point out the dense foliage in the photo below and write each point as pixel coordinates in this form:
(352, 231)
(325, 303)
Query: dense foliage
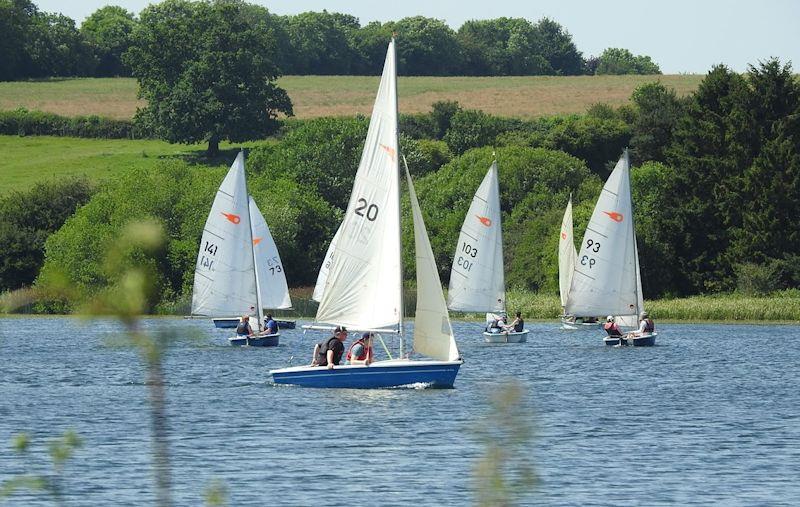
(207, 71)
(38, 123)
(716, 188)
(39, 44)
(27, 219)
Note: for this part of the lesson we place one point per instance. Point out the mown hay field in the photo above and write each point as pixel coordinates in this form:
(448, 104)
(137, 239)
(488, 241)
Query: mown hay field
(312, 96)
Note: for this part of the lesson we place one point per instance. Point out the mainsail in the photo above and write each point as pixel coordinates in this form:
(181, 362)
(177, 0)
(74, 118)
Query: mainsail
(273, 290)
(606, 272)
(566, 254)
(224, 281)
(476, 278)
(433, 333)
(364, 286)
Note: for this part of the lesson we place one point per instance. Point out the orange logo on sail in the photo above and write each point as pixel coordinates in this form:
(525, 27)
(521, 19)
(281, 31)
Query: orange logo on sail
(257, 240)
(234, 219)
(563, 235)
(617, 217)
(389, 150)
(485, 220)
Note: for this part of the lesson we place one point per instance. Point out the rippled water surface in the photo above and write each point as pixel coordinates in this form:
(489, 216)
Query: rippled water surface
(709, 416)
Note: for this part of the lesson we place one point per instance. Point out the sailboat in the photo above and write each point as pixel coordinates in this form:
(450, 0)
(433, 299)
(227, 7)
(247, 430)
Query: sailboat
(239, 270)
(606, 280)
(477, 283)
(363, 287)
(566, 267)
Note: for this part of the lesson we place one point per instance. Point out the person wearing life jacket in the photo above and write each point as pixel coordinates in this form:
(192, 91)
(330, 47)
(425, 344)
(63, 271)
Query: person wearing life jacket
(611, 327)
(361, 350)
(646, 325)
(329, 351)
(517, 325)
(244, 329)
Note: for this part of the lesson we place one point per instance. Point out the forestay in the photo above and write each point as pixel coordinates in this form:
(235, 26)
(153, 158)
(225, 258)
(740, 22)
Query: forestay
(477, 283)
(433, 333)
(606, 271)
(273, 290)
(566, 254)
(224, 281)
(363, 288)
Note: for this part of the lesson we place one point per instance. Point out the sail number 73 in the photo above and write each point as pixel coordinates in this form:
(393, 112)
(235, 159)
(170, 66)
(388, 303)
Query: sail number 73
(591, 246)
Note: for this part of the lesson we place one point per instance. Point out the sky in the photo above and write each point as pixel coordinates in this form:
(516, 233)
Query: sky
(681, 36)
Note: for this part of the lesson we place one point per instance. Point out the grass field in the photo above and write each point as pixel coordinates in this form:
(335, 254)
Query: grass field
(30, 160)
(313, 96)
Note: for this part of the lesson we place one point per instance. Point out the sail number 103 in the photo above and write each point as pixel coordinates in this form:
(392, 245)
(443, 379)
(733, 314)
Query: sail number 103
(464, 260)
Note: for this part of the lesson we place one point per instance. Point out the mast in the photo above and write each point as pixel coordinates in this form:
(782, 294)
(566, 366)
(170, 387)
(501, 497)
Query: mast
(633, 235)
(399, 181)
(259, 309)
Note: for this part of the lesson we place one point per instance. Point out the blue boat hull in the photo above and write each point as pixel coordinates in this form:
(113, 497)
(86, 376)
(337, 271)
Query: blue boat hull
(270, 340)
(637, 341)
(286, 324)
(439, 374)
(226, 322)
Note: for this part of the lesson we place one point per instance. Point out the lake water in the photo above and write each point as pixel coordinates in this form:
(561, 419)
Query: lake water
(709, 416)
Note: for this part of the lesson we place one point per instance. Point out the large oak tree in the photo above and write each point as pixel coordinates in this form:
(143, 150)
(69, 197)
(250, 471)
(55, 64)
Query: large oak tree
(207, 71)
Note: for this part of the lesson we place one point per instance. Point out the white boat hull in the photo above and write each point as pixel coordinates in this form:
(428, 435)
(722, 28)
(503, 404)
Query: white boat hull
(506, 337)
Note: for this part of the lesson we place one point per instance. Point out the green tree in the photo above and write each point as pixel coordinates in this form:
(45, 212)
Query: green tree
(370, 43)
(16, 18)
(501, 47)
(622, 61)
(713, 145)
(555, 45)
(322, 43)
(426, 47)
(57, 48)
(658, 110)
(27, 219)
(108, 30)
(207, 71)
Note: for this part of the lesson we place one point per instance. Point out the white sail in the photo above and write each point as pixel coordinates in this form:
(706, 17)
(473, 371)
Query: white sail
(273, 290)
(433, 333)
(364, 284)
(476, 278)
(605, 279)
(322, 276)
(632, 320)
(224, 281)
(566, 254)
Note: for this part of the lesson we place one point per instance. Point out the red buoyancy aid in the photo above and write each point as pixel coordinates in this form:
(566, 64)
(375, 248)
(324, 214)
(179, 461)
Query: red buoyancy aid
(363, 355)
(612, 329)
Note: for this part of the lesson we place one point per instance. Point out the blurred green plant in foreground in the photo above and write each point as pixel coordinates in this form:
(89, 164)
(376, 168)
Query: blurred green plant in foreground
(60, 450)
(505, 472)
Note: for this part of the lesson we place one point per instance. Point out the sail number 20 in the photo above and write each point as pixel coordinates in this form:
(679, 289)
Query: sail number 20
(591, 246)
(364, 209)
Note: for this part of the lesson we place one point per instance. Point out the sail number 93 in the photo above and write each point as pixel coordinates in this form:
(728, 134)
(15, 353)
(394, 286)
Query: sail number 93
(591, 246)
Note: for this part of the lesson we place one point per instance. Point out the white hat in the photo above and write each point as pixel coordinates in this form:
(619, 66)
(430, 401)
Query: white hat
(610, 318)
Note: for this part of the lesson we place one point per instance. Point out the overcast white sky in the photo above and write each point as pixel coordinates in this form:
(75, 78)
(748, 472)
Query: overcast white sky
(682, 36)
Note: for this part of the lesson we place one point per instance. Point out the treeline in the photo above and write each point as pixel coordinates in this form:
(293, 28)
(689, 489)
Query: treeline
(36, 44)
(716, 185)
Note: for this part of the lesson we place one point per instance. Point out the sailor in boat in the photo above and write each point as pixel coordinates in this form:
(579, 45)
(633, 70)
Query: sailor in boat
(330, 351)
(244, 329)
(497, 324)
(646, 325)
(612, 329)
(270, 326)
(517, 325)
(361, 350)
